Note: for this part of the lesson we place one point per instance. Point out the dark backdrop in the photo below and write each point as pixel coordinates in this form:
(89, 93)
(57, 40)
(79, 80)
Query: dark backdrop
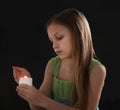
(24, 42)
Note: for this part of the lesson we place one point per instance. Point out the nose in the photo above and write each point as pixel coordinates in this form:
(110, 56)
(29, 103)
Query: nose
(55, 45)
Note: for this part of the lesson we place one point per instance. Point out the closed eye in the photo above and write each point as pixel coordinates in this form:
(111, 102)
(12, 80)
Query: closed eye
(59, 38)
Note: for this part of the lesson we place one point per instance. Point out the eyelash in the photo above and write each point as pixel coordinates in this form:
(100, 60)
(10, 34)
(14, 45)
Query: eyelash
(59, 38)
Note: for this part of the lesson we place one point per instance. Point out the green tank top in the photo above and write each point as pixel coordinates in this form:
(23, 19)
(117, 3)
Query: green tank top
(62, 89)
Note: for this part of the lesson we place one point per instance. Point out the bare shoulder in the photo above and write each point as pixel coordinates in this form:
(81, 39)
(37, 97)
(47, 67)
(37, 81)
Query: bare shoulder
(49, 63)
(48, 69)
(98, 74)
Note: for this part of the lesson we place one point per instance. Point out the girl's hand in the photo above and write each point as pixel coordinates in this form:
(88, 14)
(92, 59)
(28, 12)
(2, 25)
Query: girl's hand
(29, 93)
(19, 72)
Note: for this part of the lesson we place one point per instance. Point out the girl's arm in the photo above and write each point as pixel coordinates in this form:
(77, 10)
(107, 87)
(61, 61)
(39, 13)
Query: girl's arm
(46, 85)
(32, 107)
(97, 79)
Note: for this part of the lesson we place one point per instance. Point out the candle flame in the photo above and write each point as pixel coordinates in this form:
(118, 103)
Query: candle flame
(25, 77)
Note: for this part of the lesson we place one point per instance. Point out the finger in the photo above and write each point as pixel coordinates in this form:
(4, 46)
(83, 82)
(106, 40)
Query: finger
(23, 87)
(23, 96)
(17, 81)
(21, 70)
(15, 68)
(16, 74)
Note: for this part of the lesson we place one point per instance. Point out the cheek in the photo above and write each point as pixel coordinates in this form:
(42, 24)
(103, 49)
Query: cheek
(69, 43)
(68, 46)
(66, 43)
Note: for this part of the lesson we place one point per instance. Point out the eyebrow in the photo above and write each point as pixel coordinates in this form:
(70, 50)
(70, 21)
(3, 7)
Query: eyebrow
(53, 35)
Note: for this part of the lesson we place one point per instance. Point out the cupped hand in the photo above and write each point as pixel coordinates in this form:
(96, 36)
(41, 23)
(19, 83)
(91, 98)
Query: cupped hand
(19, 72)
(29, 93)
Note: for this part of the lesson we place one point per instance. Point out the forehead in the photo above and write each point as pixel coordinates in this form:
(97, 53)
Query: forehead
(57, 28)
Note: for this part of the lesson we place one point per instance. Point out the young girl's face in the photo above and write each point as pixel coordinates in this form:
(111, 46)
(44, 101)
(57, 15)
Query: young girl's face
(61, 38)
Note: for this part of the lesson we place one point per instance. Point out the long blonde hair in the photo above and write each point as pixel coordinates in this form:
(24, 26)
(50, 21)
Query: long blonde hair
(82, 53)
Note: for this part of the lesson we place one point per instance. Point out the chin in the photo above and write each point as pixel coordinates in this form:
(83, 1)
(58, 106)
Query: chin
(63, 57)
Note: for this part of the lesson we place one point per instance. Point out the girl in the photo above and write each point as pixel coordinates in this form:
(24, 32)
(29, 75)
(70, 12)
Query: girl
(74, 78)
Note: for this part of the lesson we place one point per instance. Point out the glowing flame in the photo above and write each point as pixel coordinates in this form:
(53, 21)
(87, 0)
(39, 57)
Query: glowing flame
(25, 77)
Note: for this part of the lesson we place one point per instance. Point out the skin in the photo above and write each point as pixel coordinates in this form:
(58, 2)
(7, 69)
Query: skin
(61, 38)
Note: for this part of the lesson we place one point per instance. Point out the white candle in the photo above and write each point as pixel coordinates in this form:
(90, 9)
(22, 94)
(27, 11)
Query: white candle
(25, 80)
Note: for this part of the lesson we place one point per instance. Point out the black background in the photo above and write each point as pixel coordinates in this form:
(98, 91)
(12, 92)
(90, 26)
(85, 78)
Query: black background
(24, 42)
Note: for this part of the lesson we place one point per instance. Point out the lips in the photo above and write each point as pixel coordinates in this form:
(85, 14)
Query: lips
(58, 52)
